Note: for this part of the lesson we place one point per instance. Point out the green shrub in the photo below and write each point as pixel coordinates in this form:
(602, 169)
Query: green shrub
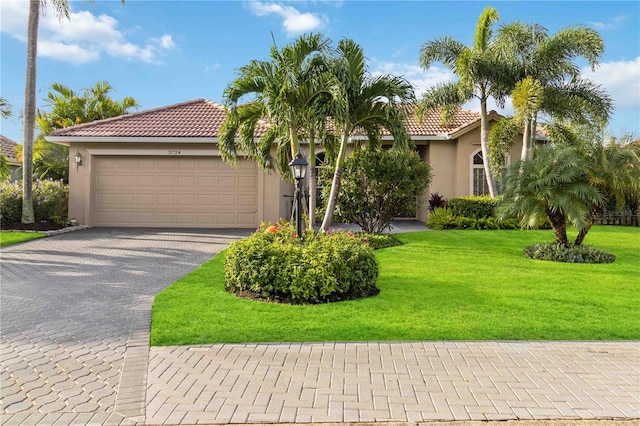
(377, 186)
(273, 265)
(378, 241)
(570, 253)
(50, 201)
(441, 218)
(476, 207)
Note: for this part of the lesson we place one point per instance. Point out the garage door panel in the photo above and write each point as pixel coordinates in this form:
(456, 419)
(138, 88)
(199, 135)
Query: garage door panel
(183, 191)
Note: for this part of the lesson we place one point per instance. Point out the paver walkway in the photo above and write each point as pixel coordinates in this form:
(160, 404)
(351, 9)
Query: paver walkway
(74, 320)
(402, 382)
(74, 323)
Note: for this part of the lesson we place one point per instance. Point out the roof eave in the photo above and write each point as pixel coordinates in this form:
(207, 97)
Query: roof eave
(66, 140)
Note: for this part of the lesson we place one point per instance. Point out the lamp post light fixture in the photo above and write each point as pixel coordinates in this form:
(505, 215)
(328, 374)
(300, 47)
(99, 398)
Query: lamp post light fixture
(299, 170)
(78, 158)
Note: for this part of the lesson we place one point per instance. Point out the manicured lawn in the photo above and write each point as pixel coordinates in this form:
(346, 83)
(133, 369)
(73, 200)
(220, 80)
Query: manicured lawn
(7, 237)
(440, 285)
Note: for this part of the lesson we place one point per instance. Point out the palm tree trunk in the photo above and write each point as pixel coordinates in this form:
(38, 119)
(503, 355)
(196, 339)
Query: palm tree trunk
(30, 112)
(335, 184)
(559, 225)
(312, 179)
(584, 231)
(524, 153)
(533, 131)
(484, 144)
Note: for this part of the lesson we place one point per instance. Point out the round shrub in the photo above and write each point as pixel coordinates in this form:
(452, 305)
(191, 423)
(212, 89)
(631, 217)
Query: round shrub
(318, 268)
(569, 253)
(473, 206)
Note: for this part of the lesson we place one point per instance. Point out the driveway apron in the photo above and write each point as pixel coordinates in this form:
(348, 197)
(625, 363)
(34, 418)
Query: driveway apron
(75, 311)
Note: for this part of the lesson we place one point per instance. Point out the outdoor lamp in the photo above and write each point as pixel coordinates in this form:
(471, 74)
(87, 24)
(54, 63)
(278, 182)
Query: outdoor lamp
(78, 158)
(299, 167)
(299, 170)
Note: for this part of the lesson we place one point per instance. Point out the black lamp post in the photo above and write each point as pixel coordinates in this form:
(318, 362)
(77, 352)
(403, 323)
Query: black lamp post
(299, 170)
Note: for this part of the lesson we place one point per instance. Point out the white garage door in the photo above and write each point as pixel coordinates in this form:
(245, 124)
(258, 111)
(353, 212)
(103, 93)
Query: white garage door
(174, 192)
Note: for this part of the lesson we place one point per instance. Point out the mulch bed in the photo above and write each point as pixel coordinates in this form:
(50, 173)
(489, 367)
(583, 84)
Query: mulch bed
(39, 226)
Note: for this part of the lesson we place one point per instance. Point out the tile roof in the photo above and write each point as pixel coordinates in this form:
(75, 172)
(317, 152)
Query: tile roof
(9, 150)
(201, 118)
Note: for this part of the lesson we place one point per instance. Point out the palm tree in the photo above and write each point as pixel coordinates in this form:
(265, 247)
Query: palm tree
(551, 186)
(68, 108)
(5, 108)
(612, 167)
(480, 75)
(282, 90)
(366, 103)
(548, 79)
(61, 8)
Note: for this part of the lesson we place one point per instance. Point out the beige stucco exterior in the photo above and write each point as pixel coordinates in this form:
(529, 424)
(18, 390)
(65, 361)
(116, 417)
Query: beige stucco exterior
(450, 157)
(270, 190)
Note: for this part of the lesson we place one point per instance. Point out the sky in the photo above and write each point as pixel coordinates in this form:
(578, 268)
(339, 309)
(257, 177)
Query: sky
(167, 52)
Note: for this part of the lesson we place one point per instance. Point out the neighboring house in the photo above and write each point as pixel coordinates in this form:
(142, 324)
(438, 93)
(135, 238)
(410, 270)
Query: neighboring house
(162, 168)
(10, 152)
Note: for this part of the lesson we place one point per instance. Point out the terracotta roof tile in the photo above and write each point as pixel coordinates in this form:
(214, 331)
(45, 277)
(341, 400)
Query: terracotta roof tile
(201, 118)
(9, 149)
(194, 119)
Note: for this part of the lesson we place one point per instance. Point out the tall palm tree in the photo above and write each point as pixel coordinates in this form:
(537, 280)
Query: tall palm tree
(364, 102)
(549, 80)
(61, 8)
(551, 186)
(480, 75)
(283, 90)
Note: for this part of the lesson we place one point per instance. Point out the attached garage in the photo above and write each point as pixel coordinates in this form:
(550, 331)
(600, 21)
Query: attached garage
(198, 192)
(162, 168)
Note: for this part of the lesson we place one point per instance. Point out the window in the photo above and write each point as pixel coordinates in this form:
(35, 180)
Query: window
(478, 178)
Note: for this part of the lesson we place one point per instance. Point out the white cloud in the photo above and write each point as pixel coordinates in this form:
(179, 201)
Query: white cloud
(67, 52)
(612, 24)
(294, 21)
(621, 79)
(419, 78)
(213, 67)
(82, 38)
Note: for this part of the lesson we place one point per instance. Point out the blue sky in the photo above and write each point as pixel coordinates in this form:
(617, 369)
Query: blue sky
(165, 52)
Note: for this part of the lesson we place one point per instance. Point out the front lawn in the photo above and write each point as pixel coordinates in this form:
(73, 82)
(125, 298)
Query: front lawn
(439, 285)
(10, 237)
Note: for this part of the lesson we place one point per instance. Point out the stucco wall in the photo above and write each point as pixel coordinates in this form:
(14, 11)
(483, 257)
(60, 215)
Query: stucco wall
(272, 204)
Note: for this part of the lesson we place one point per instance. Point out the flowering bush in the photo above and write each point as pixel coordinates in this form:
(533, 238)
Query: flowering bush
(274, 265)
(50, 201)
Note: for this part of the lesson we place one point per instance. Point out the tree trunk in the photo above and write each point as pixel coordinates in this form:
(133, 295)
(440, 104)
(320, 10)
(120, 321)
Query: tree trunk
(533, 131)
(584, 231)
(335, 184)
(524, 153)
(559, 225)
(312, 179)
(484, 144)
(30, 112)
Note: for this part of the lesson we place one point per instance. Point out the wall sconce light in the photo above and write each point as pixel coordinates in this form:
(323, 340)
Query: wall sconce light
(78, 158)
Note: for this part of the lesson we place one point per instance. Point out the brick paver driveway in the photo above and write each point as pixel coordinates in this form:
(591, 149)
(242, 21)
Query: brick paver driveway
(74, 315)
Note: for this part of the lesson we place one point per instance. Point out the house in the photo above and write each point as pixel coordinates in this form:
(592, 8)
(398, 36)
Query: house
(8, 149)
(162, 168)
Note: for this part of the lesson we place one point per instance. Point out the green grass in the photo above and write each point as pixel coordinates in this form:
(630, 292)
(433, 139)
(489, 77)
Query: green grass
(440, 285)
(11, 237)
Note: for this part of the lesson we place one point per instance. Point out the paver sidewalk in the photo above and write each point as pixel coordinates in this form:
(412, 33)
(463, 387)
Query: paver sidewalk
(402, 382)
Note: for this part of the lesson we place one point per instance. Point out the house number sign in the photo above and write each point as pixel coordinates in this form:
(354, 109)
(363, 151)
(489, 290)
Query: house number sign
(174, 152)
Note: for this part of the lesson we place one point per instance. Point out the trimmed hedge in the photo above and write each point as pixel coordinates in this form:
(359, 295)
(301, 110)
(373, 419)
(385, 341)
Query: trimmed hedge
(50, 201)
(476, 207)
(569, 253)
(273, 265)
